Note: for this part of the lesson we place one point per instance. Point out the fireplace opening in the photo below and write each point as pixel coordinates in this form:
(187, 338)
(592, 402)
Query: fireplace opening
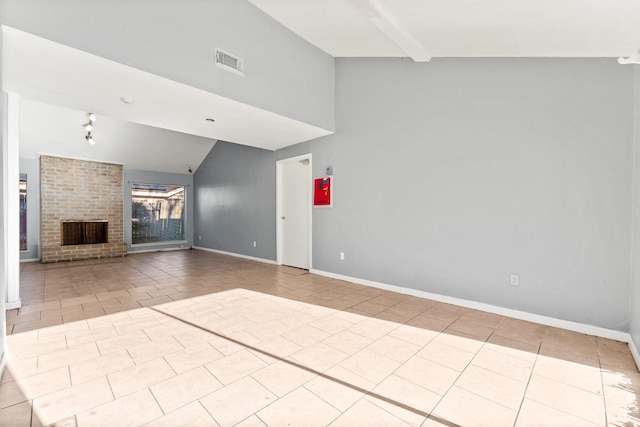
(84, 232)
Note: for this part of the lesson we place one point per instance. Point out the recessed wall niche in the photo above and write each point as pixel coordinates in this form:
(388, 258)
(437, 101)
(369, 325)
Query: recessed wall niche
(79, 191)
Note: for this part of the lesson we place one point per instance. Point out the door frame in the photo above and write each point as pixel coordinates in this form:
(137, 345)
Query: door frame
(279, 242)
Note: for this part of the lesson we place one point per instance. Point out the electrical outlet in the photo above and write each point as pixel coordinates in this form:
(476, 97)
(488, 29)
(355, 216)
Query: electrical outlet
(341, 256)
(199, 237)
(254, 243)
(515, 279)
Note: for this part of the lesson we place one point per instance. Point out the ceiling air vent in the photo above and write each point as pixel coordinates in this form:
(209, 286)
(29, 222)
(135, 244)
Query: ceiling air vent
(229, 62)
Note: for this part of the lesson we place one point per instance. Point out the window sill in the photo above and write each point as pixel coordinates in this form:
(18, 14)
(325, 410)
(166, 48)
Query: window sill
(165, 243)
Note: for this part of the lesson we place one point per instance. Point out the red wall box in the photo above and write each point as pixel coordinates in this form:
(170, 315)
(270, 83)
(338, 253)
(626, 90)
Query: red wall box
(322, 191)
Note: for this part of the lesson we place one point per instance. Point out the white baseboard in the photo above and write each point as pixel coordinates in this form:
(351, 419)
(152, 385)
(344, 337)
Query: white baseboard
(634, 352)
(30, 260)
(3, 361)
(517, 314)
(13, 305)
(266, 261)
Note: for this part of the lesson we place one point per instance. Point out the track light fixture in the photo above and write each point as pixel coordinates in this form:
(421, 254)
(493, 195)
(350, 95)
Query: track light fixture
(89, 128)
(633, 59)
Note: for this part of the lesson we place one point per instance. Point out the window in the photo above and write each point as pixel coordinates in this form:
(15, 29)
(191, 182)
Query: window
(23, 212)
(157, 213)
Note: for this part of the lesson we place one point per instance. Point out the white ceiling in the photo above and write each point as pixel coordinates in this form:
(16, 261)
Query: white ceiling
(463, 28)
(48, 72)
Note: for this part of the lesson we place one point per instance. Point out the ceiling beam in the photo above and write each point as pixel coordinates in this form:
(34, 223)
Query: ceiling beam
(390, 27)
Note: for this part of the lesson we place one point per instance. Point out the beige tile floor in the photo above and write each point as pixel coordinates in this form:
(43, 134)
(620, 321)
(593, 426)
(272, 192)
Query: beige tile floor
(193, 338)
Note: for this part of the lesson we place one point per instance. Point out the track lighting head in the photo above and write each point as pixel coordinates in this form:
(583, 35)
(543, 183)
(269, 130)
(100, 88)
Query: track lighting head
(89, 127)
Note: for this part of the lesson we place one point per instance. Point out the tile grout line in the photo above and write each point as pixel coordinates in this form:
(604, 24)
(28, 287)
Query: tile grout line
(171, 270)
(497, 373)
(524, 396)
(310, 370)
(415, 354)
(158, 403)
(604, 397)
(461, 372)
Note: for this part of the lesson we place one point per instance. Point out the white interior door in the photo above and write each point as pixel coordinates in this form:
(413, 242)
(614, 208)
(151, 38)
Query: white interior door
(294, 213)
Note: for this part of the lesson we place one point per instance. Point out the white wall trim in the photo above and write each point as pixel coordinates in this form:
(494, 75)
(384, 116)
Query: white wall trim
(3, 361)
(13, 305)
(634, 351)
(266, 261)
(30, 260)
(517, 314)
(11, 190)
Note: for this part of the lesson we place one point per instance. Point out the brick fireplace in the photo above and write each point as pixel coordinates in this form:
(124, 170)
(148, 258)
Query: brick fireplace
(79, 196)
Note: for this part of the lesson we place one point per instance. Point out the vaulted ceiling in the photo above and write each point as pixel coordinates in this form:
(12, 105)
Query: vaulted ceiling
(58, 75)
(49, 72)
(463, 28)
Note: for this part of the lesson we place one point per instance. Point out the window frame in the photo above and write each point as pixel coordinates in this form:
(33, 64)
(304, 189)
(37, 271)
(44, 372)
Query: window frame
(23, 178)
(184, 215)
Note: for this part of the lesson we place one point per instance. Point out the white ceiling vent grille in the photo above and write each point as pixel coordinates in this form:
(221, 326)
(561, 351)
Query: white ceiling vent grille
(229, 62)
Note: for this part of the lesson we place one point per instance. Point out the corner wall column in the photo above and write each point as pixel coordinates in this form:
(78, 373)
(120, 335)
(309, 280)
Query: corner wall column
(11, 200)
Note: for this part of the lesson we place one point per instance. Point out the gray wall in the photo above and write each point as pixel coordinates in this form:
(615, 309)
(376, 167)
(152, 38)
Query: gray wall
(450, 176)
(148, 177)
(235, 201)
(283, 73)
(634, 295)
(31, 167)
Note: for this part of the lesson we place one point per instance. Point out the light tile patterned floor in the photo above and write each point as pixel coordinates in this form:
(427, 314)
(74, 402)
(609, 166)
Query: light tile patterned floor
(192, 338)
